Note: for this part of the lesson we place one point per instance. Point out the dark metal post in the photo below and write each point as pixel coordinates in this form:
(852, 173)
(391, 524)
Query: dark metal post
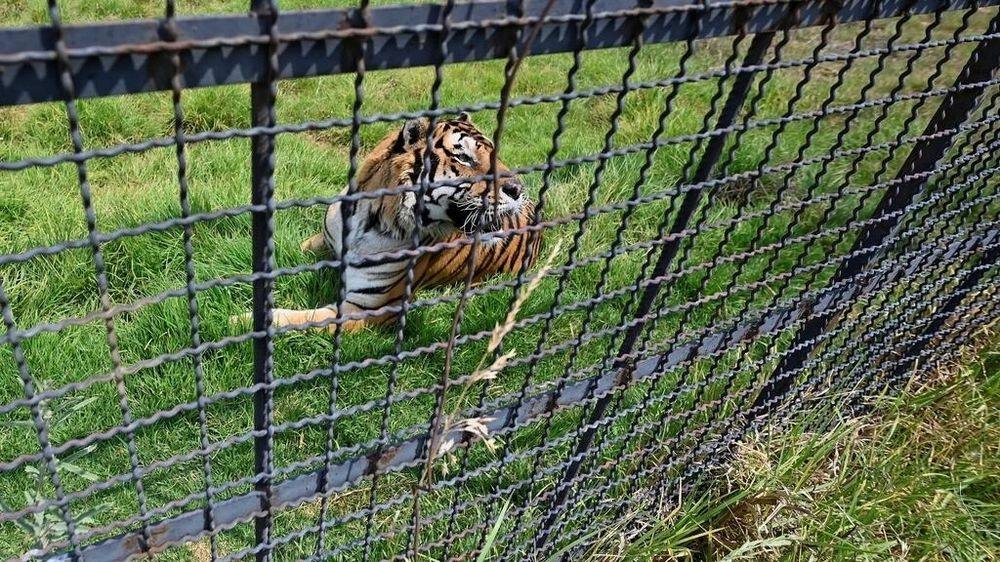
(988, 261)
(954, 110)
(713, 150)
(262, 96)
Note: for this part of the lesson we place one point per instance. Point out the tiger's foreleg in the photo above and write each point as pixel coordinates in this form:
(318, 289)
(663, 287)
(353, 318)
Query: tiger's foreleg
(351, 318)
(373, 295)
(373, 288)
(318, 243)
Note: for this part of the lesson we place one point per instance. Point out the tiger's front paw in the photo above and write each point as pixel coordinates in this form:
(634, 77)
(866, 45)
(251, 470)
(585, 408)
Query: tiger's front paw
(313, 245)
(279, 317)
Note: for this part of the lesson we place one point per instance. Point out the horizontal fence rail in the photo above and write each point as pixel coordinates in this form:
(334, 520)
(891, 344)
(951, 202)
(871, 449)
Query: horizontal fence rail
(228, 49)
(743, 215)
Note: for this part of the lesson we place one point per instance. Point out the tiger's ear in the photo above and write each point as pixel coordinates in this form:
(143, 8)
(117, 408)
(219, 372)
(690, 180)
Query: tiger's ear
(413, 131)
(463, 116)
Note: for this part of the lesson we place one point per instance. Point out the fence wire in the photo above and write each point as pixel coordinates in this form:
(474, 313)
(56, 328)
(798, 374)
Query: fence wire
(666, 227)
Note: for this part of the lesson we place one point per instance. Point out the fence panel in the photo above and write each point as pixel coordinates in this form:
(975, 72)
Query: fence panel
(666, 227)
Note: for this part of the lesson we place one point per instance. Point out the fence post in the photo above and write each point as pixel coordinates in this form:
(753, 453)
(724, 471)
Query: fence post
(990, 256)
(713, 150)
(262, 96)
(954, 110)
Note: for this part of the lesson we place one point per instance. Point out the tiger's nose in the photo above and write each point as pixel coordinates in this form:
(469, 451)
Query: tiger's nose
(512, 189)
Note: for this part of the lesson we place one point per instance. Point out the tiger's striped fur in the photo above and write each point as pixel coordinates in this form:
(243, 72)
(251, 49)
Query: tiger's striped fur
(449, 214)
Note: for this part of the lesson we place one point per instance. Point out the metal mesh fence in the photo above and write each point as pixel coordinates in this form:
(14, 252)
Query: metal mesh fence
(663, 227)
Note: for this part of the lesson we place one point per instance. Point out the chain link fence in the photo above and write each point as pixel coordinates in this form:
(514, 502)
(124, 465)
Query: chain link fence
(750, 213)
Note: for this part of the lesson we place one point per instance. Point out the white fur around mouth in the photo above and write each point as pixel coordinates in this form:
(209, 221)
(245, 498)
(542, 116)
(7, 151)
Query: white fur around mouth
(510, 207)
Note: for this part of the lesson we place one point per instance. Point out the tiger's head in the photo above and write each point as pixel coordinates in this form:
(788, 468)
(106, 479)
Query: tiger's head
(458, 150)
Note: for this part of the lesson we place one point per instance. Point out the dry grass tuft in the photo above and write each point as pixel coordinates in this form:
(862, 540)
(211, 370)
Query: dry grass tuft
(477, 429)
(502, 329)
(201, 551)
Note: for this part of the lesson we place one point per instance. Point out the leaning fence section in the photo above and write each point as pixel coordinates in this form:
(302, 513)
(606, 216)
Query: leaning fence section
(752, 214)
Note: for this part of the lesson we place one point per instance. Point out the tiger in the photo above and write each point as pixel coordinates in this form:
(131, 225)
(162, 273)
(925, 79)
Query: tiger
(449, 213)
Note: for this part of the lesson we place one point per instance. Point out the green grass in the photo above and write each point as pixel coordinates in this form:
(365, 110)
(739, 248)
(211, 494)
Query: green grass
(916, 481)
(41, 206)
